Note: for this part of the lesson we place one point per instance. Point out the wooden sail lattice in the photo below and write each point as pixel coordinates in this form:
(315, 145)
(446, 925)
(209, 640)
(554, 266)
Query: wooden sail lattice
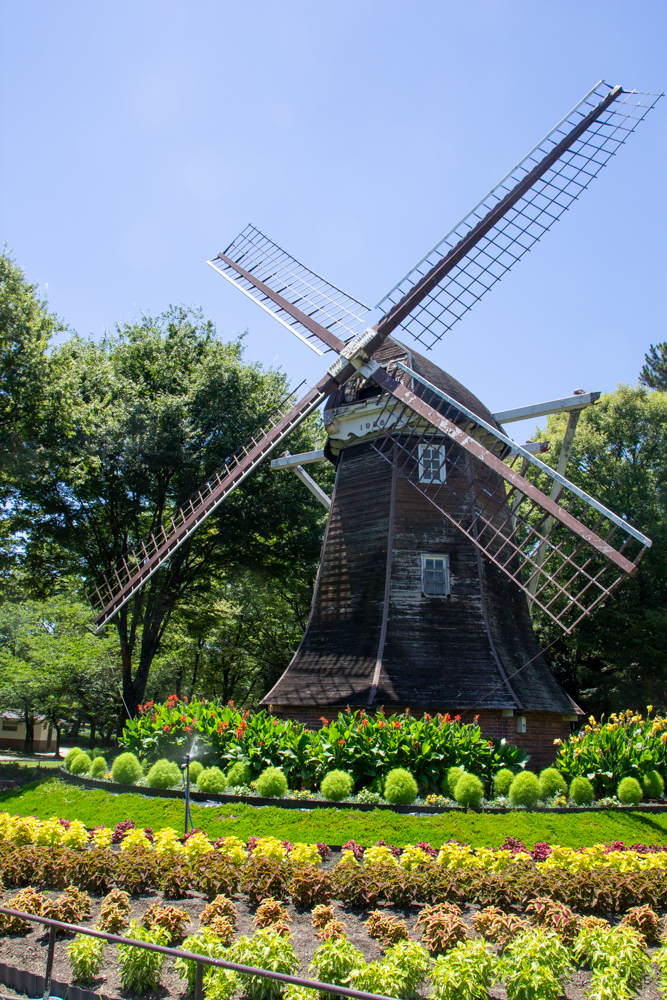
(110, 591)
(559, 545)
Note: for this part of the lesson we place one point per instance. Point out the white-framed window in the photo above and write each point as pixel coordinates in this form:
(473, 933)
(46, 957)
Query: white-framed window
(432, 463)
(435, 575)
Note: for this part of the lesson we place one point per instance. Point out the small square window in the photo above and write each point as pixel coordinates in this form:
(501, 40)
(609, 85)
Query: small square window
(432, 463)
(10, 727)
(435, 575)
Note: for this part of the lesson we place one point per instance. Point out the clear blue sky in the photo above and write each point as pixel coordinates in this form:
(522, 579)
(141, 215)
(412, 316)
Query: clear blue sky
(138, 138)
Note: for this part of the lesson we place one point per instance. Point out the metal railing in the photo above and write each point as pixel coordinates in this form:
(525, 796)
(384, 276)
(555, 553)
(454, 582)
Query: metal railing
(200, 960)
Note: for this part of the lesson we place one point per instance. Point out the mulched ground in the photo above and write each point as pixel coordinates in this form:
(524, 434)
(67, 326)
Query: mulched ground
(29, 952)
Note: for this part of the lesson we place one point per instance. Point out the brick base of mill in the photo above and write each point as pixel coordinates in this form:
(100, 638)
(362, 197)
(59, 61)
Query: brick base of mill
(542, 728)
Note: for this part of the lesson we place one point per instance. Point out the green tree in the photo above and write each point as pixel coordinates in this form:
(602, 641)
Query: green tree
(654, 372)
(51, 665)
(234, 640)
(617, 657)
(151, 413)
(26, 329)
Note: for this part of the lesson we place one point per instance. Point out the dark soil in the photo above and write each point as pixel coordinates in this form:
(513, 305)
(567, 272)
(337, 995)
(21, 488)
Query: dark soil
(28, 952)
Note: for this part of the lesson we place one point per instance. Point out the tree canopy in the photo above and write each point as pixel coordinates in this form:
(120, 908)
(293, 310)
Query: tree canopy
(617, 657)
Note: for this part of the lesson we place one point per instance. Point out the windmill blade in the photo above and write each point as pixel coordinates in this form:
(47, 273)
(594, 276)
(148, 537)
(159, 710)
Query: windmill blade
(508, 222)
(111, 591)
(565, 550)
(321, 314)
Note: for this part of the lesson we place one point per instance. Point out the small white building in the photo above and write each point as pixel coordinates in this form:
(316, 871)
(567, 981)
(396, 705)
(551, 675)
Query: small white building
(12, 733)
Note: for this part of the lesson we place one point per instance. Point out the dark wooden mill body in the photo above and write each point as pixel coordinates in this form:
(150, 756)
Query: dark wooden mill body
(375, 639)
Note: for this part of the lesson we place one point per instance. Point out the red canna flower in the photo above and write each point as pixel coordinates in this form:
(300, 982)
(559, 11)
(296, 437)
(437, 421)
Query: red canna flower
(325, 722)
(166, 729)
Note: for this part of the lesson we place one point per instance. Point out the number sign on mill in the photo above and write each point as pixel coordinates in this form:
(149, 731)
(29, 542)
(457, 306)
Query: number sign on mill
(443, 534)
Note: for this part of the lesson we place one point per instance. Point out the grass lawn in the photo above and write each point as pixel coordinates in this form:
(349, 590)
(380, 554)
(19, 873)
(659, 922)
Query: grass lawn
(54, 798)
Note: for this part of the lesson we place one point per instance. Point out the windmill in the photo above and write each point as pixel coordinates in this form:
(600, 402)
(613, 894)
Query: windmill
(438, 521)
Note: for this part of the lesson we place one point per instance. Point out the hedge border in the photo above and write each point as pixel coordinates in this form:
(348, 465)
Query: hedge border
(257, 801)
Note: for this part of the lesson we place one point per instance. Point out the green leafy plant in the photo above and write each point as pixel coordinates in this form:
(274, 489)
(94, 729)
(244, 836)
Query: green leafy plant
(205, 942)
(164, 774)
(400, 787)
(212, 781)
(552, 783)
(168, 919)
(525, 789)
(69, 757)
(581, 791)
(175, 880)
(240, 773)
(335, 959)
(387, 928)
(653, 784)
(86, 955)
(626, 745)
(629, 792)
(28, 901)
(272, 783)
(126, 769)
(114, 912)
(140, 969)
(98, 768)
(195, 768)
(222, 984)
(80, 764)
(337, 785)
(411, 961)
(469, 791)
(614, 954)
(466, 972)
(533, 965)
(213, 874)
(269, 950)
(502, 781)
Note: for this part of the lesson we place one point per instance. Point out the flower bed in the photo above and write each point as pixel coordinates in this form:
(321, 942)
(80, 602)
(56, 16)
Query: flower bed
(387, 920)
(365, 746)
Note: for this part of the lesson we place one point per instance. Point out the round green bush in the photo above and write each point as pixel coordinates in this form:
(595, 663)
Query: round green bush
(164, 773)
(336, 785)
(629, 792)
(525, 789)
(94, 754)
(196, 768)
(98, 768)
(212, 780)
(552, 783)
(581, 791)
(400, 787)
(272, 783)
(653, 784)
(80, 764)
(469, 790)
(502, 781)
(126, 769)
(448, 783)
(239, 773)
(69, 757)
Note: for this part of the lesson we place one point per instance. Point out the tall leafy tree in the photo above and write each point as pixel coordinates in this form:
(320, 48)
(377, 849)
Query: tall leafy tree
(152, 412)
(51, 665)
(617, 657)
(26, 330)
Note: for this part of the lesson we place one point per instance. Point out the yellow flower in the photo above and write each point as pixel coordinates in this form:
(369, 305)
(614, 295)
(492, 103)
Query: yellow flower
(649, 708)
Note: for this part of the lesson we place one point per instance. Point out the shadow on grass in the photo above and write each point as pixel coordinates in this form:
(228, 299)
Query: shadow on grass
(16, 793)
